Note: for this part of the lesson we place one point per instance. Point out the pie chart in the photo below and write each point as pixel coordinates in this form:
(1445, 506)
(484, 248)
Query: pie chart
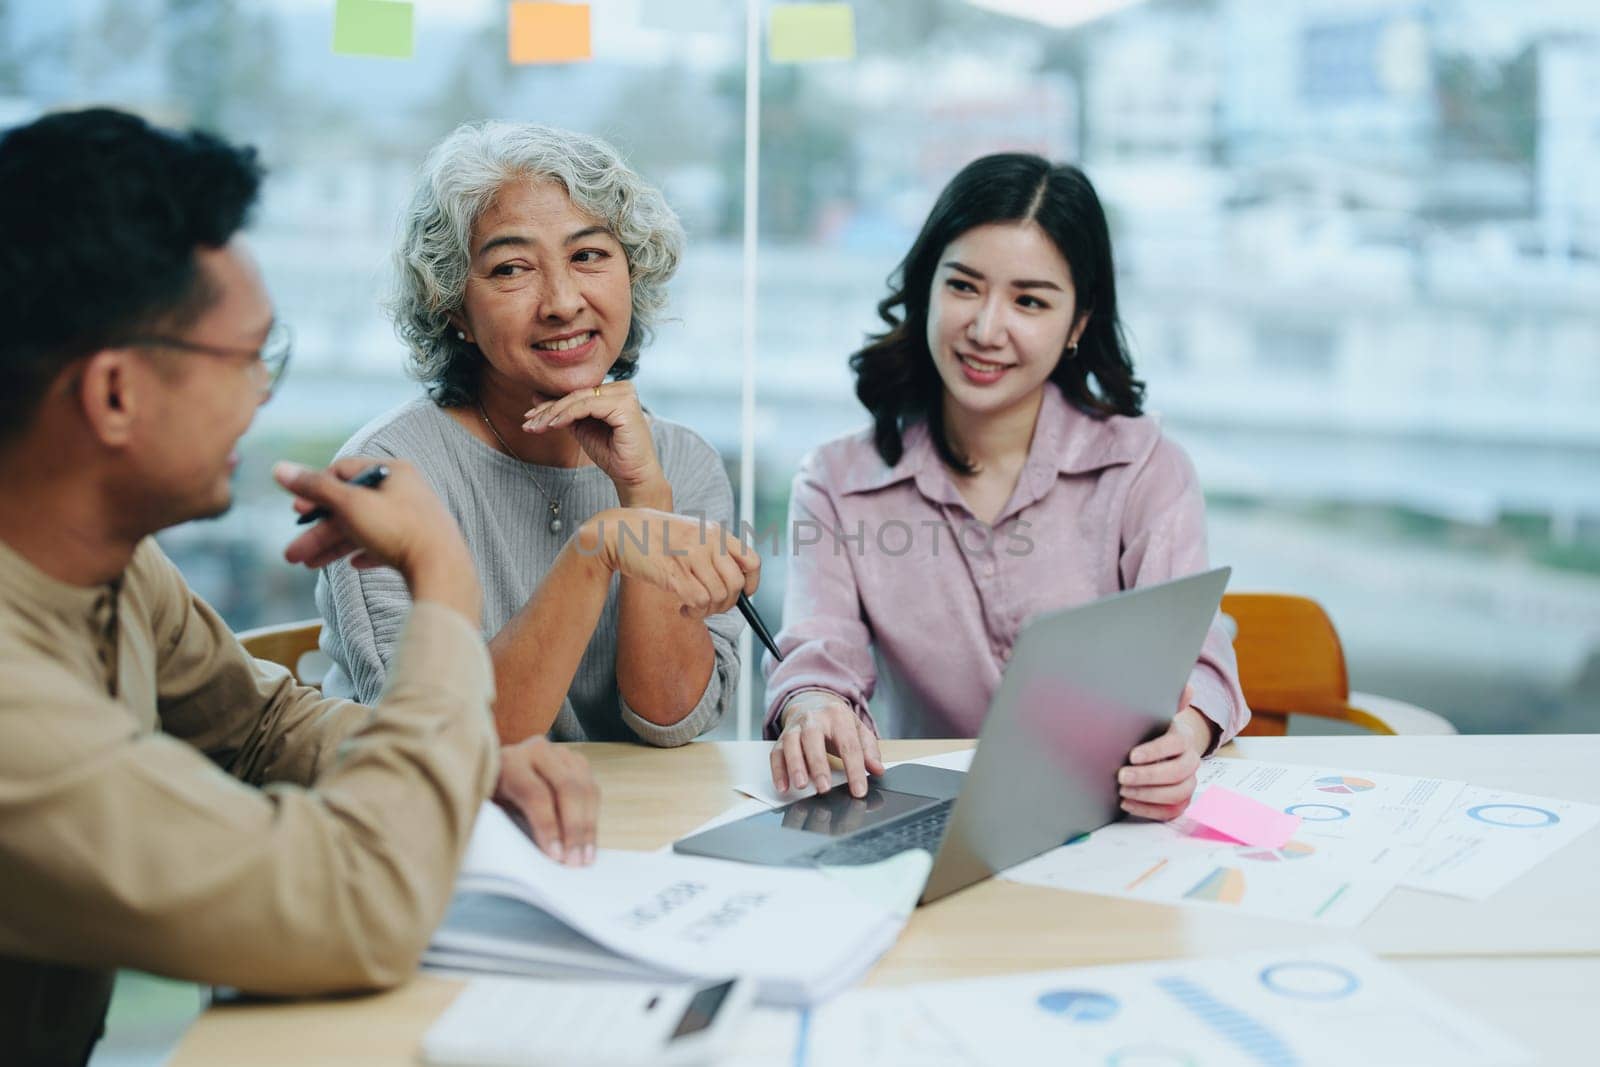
(1079, 1005)
(1294, 850)
(1345, 783)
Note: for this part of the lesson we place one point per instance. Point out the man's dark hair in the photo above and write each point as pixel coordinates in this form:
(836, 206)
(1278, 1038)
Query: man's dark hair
(896, 379)
(101, 214)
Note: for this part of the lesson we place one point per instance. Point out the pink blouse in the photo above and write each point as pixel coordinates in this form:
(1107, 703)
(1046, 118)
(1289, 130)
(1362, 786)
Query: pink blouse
(895, 586)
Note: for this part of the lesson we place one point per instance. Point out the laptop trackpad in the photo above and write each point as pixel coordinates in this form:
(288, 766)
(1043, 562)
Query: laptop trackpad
(795, 830)
(836, 813)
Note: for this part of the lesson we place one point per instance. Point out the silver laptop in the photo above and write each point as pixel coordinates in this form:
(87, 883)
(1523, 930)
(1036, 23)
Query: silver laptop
(1084, 686)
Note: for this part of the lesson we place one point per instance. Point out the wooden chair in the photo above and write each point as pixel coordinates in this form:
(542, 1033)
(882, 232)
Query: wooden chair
(287, 643)
(1291, 663)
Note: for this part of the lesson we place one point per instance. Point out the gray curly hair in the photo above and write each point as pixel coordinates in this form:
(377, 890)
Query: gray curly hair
(458, 182)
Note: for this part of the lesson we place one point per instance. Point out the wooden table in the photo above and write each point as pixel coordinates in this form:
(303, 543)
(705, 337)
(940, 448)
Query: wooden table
(1514, 958)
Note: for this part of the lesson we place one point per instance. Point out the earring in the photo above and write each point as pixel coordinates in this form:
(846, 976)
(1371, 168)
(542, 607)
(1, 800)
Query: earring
(461, 335)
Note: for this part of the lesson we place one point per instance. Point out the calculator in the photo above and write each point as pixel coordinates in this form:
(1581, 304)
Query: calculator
(524, 1022)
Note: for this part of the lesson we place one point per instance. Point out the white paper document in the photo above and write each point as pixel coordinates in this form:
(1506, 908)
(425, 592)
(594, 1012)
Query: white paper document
(1490, 837)
(1332, 882)
(801, 934)
(893, 884)
(1359, 835)
(1328, 1007)
(1352, 806)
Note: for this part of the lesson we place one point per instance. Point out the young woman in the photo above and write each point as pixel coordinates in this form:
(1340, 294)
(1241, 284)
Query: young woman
(1008, 471)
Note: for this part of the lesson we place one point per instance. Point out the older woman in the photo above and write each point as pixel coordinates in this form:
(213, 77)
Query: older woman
(531, 266)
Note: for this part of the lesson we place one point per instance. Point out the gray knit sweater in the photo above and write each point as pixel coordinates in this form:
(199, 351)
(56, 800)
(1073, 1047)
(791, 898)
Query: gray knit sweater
(504, 518)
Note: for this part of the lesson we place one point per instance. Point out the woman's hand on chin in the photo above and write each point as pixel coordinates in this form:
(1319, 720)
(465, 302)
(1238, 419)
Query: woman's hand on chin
(611, 428)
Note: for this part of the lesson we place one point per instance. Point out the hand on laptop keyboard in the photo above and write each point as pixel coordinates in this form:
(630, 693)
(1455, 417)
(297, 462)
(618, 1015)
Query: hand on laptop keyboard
(816, 723)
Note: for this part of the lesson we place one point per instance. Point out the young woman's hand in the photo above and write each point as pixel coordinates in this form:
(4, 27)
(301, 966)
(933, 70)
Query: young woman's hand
(816, 723)
(1159, 778)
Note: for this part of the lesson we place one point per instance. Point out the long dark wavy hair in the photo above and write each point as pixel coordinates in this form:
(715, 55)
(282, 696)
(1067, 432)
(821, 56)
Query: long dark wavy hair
(896, 379)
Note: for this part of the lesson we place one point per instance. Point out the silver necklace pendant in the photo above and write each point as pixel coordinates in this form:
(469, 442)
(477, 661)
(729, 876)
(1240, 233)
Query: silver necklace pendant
(555, 524)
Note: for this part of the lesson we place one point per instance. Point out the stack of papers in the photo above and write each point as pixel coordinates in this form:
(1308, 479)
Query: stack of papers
(656, 915)
(1359, 834)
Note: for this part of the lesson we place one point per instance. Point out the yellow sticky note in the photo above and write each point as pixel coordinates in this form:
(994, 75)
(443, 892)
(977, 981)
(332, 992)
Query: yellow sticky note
(804, 33)
(372, 28)
(549, 33)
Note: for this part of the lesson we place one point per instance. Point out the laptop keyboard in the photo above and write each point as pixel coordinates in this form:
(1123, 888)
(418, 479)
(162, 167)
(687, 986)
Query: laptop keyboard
(923, 830)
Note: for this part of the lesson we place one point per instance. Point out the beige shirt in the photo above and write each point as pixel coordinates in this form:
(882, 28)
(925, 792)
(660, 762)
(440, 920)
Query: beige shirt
(170, 804)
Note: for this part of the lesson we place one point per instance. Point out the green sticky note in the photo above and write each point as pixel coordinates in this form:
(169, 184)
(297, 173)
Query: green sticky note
(372, 28)
(804, 33)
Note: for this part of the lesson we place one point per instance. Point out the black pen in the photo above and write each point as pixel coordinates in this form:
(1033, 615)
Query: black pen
(748, 610)
(370, 478)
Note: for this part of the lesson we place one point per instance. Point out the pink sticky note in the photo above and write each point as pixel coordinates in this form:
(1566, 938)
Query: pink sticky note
(1238, 818)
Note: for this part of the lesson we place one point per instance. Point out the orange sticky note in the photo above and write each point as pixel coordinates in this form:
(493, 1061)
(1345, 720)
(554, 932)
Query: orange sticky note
(549, 33)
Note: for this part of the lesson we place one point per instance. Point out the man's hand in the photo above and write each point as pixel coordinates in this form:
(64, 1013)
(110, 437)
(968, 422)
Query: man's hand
(816, 723)
(1159, 779)
(401, 524)
(552, 790)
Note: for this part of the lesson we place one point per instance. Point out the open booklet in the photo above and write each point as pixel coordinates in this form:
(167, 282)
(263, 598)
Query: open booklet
(799, 934)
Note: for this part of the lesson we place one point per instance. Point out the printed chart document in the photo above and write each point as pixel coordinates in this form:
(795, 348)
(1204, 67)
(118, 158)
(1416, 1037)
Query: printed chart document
(1336, 883)
(1358, 836)
(1361, 833)
(1328, 1007)
(1490, 837)
(1331, 803)
(800, 934)
(1471, 840)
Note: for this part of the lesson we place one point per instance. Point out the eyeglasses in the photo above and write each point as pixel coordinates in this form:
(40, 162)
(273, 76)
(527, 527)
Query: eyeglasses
(267, 363)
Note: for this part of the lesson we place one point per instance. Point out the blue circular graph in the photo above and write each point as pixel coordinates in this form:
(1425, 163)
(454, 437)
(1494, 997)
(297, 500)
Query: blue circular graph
(1517, 816)
(1079, 1005)
(1309, 980)
(1318, 812)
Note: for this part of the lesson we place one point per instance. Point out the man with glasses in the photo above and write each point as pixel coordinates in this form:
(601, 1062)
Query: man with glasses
(267, 360)
(166, 802)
